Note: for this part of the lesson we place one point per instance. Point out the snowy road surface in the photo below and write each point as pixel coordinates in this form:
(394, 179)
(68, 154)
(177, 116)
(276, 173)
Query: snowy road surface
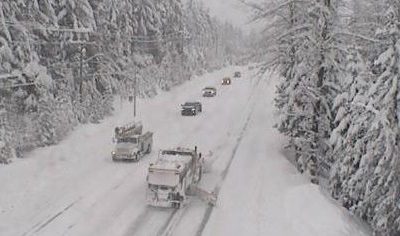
(75, 189)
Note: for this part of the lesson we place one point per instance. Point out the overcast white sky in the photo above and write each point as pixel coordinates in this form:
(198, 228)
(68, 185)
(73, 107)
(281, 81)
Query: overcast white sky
(231, 11)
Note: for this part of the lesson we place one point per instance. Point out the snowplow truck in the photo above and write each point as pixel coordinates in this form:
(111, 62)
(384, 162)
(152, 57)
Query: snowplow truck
(131, 143)
(171, 176)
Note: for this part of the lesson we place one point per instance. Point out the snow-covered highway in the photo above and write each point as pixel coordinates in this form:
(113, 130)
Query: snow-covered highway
(74, 188)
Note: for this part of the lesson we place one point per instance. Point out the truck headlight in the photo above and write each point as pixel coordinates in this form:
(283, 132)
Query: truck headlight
(113, 153)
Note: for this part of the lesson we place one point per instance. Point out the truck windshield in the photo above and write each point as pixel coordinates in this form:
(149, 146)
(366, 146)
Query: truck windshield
(127, 140)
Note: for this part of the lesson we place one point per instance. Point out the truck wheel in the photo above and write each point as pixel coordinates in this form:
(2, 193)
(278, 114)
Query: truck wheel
(176, 205)
(149, 148)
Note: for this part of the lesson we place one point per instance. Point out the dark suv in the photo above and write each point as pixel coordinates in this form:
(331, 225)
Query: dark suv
(191, 108)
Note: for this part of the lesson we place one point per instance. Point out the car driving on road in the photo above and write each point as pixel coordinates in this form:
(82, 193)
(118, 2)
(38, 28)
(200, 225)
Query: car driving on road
(226, 81)
(191, 108)
(209, 92)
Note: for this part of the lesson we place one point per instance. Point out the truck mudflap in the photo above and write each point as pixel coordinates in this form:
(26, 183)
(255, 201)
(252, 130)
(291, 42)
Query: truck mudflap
(209, 197)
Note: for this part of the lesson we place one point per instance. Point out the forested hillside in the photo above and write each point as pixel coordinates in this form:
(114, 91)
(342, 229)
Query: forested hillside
(62, 62)
(338, 99)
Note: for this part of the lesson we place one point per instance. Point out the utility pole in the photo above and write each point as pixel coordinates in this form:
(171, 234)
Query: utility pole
(82, 51)
(134, 95)
(216, 44)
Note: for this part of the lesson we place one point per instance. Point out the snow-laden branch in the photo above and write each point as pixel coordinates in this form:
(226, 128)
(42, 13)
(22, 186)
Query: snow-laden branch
(295, 30)
(262, 12)
(367, 108)
(360, 36)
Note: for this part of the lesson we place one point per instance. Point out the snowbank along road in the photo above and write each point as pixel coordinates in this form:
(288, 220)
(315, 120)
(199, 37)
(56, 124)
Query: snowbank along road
(74, 188)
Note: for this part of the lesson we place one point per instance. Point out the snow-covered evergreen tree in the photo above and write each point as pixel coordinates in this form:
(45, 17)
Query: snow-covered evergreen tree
(380, 165)
(365, 175)
(350, 126)
(305, 49)
(6, 148)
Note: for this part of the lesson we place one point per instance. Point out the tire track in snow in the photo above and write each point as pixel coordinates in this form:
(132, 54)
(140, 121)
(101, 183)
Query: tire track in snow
(147, 216)
(171, 222)
(224, 173)
(43, 225)
(118, 208)
(140, 219)
(217, 189)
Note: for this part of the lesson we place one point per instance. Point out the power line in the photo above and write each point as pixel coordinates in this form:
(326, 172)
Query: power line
(18, 85)
(52, 43)
(129, 39)
(59, 29)
(175, 36)
(145, 38)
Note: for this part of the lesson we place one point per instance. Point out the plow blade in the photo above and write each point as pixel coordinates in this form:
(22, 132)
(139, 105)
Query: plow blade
(209, 197)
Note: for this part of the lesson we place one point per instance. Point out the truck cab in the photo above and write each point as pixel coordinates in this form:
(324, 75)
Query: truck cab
(131, 143)
(126, 148)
